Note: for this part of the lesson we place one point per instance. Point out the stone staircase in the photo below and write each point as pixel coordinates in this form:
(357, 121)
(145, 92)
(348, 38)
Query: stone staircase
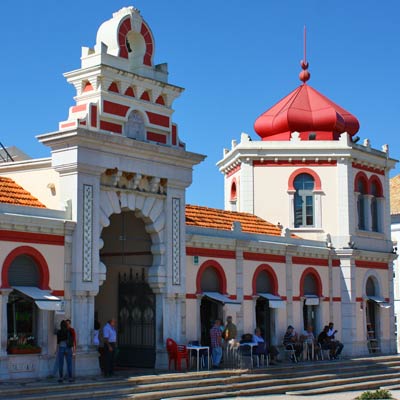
(312, 378)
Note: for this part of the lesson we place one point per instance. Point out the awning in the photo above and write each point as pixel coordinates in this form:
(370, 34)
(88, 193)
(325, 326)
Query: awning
(43, 298)
(273, 301)
(220, 298)
(380, 301)
(311, 300)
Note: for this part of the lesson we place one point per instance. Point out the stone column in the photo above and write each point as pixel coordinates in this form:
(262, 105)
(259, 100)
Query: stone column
(349, 310)
(289, 284)
(239, 288)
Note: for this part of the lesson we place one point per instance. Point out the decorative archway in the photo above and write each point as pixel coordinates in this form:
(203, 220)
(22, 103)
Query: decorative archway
(219, 271)
(40, 261)
(309, 171)
(271, 274)
(361, 176)
(151, 210)
(315, 275)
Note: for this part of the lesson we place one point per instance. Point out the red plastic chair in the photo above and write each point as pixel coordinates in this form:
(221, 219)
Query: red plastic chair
(177, 353)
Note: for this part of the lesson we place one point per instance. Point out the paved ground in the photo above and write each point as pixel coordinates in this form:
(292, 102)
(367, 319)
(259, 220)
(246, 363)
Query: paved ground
(332, 396)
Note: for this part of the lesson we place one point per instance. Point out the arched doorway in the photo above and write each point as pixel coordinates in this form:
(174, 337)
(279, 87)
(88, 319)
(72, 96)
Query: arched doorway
(372, 315)
(265, 286)
(126, 294)
(311, 291)
(210, 307)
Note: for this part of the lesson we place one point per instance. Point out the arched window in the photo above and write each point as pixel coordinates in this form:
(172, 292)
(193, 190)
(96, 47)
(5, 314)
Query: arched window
(210, 280)
(310, 285)
(135, 127)
(263, 283)
(303, 201)
(376, 193)
(361, 198)
(21, 309)
(23, 272)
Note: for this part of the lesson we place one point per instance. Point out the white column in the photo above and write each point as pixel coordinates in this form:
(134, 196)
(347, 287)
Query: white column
(291, 208)
(318, 209)
(239, 288)
(347, 210)
(246, 188)
(289, 287)
(349, 312)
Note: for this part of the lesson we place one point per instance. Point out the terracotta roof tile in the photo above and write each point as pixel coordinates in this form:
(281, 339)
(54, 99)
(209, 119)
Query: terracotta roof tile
(395, 195)
(12, 193)
(206, 217)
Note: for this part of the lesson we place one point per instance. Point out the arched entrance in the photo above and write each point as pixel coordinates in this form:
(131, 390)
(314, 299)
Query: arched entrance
(372, 313)
(265, 286)
(210, 308)
(126, 294)
(311, 291)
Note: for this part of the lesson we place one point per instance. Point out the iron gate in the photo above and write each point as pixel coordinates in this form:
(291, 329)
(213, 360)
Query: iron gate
(136, 322)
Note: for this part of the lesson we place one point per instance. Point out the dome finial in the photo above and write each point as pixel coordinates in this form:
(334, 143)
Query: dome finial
(305, 74)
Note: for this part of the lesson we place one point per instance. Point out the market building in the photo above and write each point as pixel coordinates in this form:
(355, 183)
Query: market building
(111, 234)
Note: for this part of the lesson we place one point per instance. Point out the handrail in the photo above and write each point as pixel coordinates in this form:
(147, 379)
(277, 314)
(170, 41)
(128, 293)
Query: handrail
(9, 157)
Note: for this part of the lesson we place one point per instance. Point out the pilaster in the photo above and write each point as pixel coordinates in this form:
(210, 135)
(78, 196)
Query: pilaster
(246, 189)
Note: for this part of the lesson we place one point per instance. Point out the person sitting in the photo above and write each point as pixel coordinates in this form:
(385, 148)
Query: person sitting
(263, 348)
(326, 343)
(309, 341)
(291, 342)
(339, 345)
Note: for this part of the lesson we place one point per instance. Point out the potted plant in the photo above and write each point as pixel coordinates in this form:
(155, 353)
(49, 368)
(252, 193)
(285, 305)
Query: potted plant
(25, 345)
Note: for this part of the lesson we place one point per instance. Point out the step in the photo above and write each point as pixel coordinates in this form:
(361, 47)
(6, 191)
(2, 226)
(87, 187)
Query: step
(277, 379)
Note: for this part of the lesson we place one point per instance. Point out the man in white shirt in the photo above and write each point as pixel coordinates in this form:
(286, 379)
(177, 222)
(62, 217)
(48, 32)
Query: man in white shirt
(339, 345)
(110, 345)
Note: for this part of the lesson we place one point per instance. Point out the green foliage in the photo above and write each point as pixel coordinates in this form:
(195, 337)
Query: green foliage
(379, 394)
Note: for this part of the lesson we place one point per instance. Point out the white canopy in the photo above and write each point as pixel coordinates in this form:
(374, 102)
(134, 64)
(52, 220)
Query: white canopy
(311, 300)
(273, 301)
(220, 298)
(380, 301)
(43, 298)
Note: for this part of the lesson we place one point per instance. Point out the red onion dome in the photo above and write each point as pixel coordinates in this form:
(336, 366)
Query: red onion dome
(307, 111)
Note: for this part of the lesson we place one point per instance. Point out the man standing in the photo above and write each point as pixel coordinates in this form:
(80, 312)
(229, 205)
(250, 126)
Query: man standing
(229, 335)
(110, 345)
(72, 331)
(230, 330)
(216, 341)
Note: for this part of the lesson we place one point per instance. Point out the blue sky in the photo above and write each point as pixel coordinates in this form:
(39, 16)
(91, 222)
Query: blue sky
(235, 58)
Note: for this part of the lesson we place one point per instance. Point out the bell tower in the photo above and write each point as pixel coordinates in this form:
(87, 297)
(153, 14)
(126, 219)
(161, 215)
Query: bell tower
(119, 90)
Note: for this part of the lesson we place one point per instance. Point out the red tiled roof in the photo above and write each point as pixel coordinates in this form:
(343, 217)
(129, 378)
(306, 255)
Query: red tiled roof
(12, 193)
(214, 218)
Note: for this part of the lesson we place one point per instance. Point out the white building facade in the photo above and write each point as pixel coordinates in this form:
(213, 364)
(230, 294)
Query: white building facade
(128, 247)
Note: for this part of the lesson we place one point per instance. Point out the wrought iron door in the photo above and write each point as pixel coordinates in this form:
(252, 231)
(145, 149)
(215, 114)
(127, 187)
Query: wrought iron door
(136, 322)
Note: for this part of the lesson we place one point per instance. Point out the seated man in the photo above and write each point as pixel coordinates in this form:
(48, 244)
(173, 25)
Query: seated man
(339, 345)
(326, 343)
(290, 341)
(263, 347)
